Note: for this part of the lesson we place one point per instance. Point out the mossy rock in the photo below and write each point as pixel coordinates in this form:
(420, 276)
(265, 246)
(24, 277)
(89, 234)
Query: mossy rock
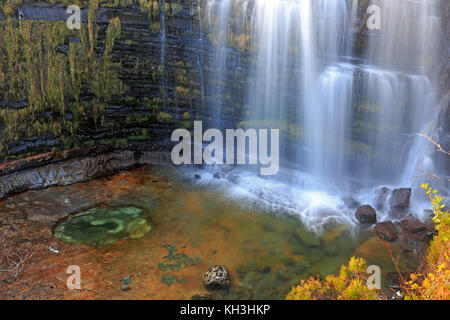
(103, 226)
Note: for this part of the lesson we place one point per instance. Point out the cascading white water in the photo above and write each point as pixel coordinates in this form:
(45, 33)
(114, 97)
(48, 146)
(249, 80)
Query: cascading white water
(327, 123)
(409, 36)
(401, 57)
(354, 120)
(282, 34)
(219, 15)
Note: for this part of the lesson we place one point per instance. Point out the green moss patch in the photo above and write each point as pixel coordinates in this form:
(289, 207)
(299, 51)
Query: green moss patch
(103, 226)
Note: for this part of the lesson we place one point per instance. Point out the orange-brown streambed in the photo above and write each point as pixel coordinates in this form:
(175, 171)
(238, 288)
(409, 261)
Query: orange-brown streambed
(192, 230)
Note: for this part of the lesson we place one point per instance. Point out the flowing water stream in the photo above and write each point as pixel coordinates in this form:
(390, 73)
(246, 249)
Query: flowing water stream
(354, 114)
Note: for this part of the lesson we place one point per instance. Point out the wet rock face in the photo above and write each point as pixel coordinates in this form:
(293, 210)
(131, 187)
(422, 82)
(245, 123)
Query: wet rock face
(416, 235)
(103, 226)
(400, 198)
(65, 173)
(218, 277)
(413, 225)
(42, 171)
(387, 231)
(366, 214)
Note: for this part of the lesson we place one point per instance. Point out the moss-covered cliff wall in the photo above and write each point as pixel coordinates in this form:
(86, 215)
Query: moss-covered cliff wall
(109, 83)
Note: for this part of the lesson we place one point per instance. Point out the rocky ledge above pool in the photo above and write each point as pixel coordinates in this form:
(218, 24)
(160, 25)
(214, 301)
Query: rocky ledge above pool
(73, 171)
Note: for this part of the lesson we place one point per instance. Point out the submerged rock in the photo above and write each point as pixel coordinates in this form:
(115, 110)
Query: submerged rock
(373, 250)
(366, 214)
(125, 287)
(103, 226)
(202, 296)
(306, 237)
(387, 231)
(218, 277)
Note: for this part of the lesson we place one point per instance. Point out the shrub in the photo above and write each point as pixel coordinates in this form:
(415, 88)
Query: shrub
(349, 284)
(433, 283)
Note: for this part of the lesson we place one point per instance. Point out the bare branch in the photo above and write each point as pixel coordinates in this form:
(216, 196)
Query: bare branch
(439, 149)
(437, 145)
(430, 174)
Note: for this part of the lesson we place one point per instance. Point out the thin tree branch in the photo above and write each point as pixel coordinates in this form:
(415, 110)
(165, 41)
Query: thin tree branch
(437, 145)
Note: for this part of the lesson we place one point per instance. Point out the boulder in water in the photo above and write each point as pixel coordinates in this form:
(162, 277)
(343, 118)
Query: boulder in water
(366, 214)
(216, 278)
(400, 198)
(387, 231)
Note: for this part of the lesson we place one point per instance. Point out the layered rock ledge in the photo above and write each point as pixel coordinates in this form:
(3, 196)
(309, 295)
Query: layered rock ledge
(72, 171)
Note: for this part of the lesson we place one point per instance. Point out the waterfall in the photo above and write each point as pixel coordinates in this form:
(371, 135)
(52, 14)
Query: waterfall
(354, 108)
(162, 13)
(277, 27)
(219, 15)
(327, 122)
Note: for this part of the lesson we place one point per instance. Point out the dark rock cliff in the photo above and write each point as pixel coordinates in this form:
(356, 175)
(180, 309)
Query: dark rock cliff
(165, 74)
(163, 90)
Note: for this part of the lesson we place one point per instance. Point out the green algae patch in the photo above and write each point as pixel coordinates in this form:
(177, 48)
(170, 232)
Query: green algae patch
(103, 226)
(180, 260)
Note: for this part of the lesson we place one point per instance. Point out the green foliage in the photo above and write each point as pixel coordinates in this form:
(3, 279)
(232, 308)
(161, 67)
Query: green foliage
(349, 284)
(441, 218)
(164, 117)
(434, 284)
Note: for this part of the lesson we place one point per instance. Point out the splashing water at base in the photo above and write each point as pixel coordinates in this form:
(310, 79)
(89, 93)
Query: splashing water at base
(354, 121)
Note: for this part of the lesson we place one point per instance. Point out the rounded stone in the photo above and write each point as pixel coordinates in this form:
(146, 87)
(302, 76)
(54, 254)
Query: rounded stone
(366, 214)
(217, 277)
